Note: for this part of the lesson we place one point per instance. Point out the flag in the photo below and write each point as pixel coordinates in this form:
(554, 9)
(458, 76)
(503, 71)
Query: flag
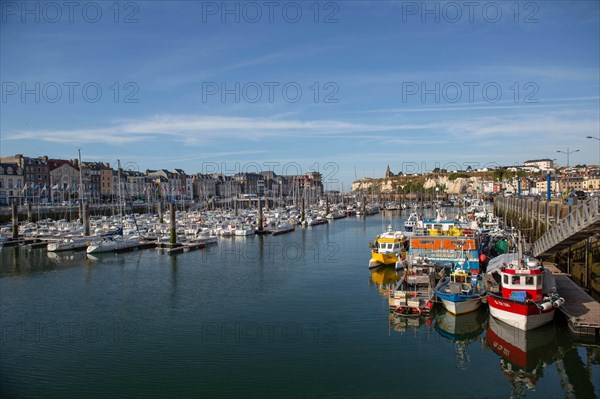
(55, 187)
(24, 188)
(43, 188)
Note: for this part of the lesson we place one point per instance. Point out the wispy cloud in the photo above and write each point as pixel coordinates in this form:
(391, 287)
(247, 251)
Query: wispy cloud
(199, 129)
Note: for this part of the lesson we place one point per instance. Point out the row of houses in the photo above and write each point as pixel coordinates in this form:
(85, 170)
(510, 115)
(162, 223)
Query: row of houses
(25, 179)
(559, 183)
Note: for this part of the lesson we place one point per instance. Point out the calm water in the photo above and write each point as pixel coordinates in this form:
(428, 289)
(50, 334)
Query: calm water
(297, 315)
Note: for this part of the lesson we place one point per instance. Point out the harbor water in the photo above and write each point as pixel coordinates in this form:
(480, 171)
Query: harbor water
(296, 315)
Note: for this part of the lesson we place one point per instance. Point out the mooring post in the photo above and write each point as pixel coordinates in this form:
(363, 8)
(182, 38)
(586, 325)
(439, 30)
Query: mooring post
(15, 221)
(260, 216)
(173, 238)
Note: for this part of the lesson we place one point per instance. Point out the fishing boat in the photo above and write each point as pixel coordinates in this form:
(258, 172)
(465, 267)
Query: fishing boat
(521, 292)
(413, 294)
(411, 222)
(462, 292)
(443, 250)
(389, 247)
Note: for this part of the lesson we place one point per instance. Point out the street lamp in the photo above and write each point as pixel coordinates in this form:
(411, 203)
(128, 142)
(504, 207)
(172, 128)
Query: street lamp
(596, 138)
(568, 154)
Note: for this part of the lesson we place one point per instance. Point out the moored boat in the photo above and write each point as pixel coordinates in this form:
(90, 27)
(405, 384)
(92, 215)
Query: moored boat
(389, 248)
(244, 230)
(521, 292)
(413, 294)
(114, 244)
(411, 222)
(462, 292)
(443, 250)
(68, 244)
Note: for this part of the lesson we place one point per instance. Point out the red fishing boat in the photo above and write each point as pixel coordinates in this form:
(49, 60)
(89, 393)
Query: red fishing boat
(521, 292)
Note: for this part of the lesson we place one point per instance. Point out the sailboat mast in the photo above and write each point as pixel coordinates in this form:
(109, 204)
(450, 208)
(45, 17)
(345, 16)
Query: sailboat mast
(80, 177)
(119, 192)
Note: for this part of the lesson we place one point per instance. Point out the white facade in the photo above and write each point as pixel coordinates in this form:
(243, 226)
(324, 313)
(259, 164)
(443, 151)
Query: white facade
(11, 183)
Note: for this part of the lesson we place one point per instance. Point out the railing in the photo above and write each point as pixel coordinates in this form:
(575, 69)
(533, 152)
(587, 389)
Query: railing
(577, 221)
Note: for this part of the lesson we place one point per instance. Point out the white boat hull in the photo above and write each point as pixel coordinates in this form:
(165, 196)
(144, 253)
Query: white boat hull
(462, 307)
(522, 321)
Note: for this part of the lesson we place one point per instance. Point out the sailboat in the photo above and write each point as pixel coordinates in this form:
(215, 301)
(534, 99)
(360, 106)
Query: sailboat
(73, 243)
(117, 242)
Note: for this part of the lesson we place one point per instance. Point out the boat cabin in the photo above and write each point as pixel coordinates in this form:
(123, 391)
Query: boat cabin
(516, 281)
(389, 245)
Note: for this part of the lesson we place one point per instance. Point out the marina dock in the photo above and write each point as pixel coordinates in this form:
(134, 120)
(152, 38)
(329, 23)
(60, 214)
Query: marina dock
(580, 309)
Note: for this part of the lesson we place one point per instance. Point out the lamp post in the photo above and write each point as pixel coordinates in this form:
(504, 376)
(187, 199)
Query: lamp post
(568, 154)
(596, 138)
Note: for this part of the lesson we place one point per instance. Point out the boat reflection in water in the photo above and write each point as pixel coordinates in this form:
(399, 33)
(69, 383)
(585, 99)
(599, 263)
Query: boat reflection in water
(462, 330)
(524, 354)
(383, 277)
(401, 323)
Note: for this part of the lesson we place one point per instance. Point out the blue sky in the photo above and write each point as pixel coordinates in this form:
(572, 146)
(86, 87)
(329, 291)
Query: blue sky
(340, 87)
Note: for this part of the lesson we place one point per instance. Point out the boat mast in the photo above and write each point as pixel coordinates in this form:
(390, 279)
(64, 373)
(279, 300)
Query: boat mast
(80, 177)
(119, 192)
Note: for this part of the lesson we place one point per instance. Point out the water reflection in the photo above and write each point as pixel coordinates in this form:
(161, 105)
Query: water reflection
(461, 330)
(22, 261)
(402, 323)
(382, 277)
(523, 355)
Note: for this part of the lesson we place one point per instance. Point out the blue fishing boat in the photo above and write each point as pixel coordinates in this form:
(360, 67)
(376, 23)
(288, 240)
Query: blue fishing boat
(462, 292)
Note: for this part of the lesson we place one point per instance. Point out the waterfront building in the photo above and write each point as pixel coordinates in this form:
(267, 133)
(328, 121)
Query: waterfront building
(64, 182)
(170, 182)
(203, 186)
(11, 183)
(36, 176)
(106, 181)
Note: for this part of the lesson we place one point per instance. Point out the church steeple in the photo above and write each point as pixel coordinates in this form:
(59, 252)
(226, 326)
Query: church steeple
(388, 172)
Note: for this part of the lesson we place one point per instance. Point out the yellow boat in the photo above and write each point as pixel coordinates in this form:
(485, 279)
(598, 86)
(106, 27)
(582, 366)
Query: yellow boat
(389, 247)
